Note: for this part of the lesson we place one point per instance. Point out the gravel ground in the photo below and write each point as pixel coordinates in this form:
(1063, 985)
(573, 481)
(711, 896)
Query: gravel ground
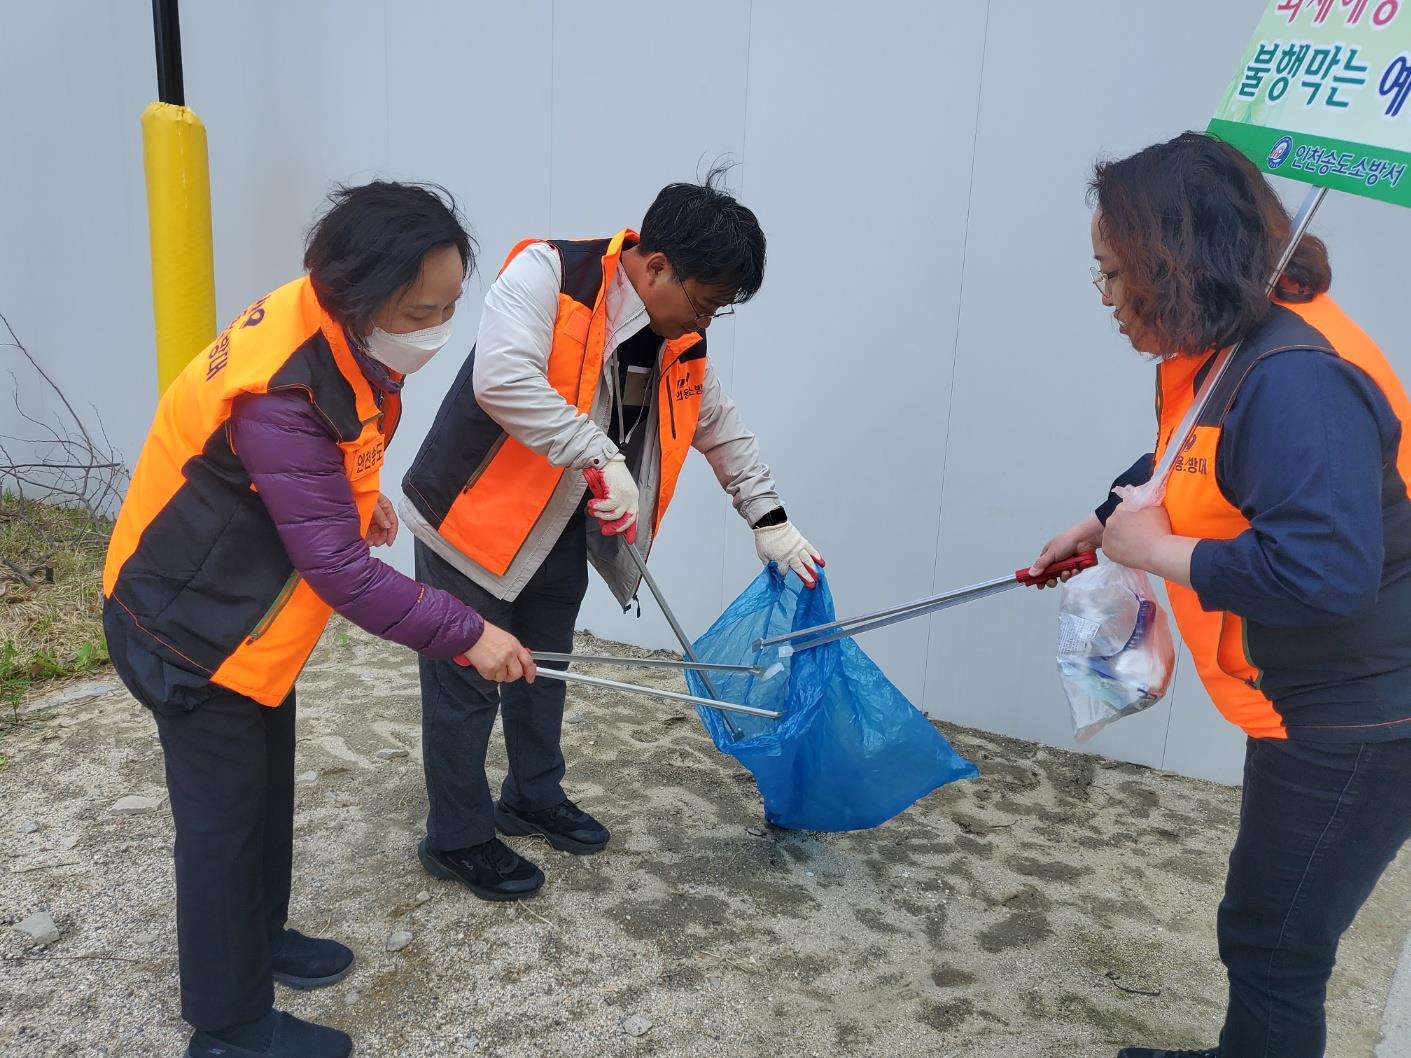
(1058, 905)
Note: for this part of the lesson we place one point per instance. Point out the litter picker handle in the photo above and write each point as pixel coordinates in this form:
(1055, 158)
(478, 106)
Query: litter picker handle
(1079, 562)
(598, 486)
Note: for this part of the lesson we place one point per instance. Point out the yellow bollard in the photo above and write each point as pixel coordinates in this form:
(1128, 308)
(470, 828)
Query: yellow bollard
(179, 217)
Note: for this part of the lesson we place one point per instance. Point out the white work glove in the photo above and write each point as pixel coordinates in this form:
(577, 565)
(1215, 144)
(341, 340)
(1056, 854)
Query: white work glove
(785, 545)
(619, 506)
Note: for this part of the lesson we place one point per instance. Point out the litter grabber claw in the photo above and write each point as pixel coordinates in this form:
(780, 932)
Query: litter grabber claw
(807, 638)
(656, 692)
(646, 663)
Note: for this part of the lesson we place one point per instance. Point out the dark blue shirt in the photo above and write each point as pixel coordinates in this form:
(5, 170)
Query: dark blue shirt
(1303, 458)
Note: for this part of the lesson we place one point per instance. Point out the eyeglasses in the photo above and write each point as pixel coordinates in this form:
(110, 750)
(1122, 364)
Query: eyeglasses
(728, 310)
(1102, 280)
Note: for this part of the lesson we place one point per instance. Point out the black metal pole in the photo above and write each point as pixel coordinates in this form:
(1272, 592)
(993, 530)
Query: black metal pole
(166, 27)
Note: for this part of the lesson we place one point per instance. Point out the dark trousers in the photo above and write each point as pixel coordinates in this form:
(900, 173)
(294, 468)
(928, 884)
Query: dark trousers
(1319, 824)
(230, 778)
(458, 707)
(230, 774)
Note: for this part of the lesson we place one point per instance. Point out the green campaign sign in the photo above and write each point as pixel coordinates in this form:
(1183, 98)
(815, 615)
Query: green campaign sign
(1323, 95)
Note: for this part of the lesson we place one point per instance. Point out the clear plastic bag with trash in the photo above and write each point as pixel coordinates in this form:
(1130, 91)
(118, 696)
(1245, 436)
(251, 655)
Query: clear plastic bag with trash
(1115, 652)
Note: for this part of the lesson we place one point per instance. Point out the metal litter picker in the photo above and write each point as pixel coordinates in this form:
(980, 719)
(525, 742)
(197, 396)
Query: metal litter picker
(598, 487)
(816, 636)
(799, 639)
(629, 541)
(636, 688)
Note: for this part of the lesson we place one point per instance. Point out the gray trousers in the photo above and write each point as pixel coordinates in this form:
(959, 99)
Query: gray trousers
(458, 706)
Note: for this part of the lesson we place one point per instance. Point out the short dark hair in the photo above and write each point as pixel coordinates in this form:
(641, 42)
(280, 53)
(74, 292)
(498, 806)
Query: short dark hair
(371, 241)
(1197, 230)
(707, 235)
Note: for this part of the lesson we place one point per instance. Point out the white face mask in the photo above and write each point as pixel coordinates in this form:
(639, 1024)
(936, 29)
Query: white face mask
(406, 353)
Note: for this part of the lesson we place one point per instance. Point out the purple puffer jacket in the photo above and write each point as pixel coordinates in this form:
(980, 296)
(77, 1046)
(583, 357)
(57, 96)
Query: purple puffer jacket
(298, 469)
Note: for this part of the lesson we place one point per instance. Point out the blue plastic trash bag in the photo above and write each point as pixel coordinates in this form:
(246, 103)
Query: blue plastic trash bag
(850, 751)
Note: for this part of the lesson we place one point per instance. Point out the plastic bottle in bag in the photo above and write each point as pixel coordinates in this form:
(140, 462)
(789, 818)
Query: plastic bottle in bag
(1115, 652)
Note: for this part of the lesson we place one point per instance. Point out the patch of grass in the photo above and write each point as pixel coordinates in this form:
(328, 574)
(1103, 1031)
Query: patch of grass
(51, 629)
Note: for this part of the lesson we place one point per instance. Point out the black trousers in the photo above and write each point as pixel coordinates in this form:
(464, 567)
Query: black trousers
(458, 707)
(230, 774)
(1319, 824)
(230, 779)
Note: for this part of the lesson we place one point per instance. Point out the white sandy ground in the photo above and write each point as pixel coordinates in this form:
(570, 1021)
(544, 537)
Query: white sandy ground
(1059, 905)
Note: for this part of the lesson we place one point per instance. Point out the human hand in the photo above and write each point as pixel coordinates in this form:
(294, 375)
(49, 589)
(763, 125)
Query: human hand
(785, 545)
(1087, 535)
(499, 657)
(1132, 536)
(383, 530)
(617, 507)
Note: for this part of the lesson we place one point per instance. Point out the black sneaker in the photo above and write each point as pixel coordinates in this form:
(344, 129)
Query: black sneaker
(492, 871)
(276, 1035)
(308, 962)
(1147, 1052)
(566, 827)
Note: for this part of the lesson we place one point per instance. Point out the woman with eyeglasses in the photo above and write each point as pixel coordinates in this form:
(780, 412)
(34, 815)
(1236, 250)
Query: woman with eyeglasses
(591, 363)
(1284, 538)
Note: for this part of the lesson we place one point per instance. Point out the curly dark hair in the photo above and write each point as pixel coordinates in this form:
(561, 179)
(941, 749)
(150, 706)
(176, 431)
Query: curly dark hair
(1197, 230)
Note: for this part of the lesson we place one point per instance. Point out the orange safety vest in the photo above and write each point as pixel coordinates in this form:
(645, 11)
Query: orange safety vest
(195, 564)
(484, 491)
(1220, 643)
